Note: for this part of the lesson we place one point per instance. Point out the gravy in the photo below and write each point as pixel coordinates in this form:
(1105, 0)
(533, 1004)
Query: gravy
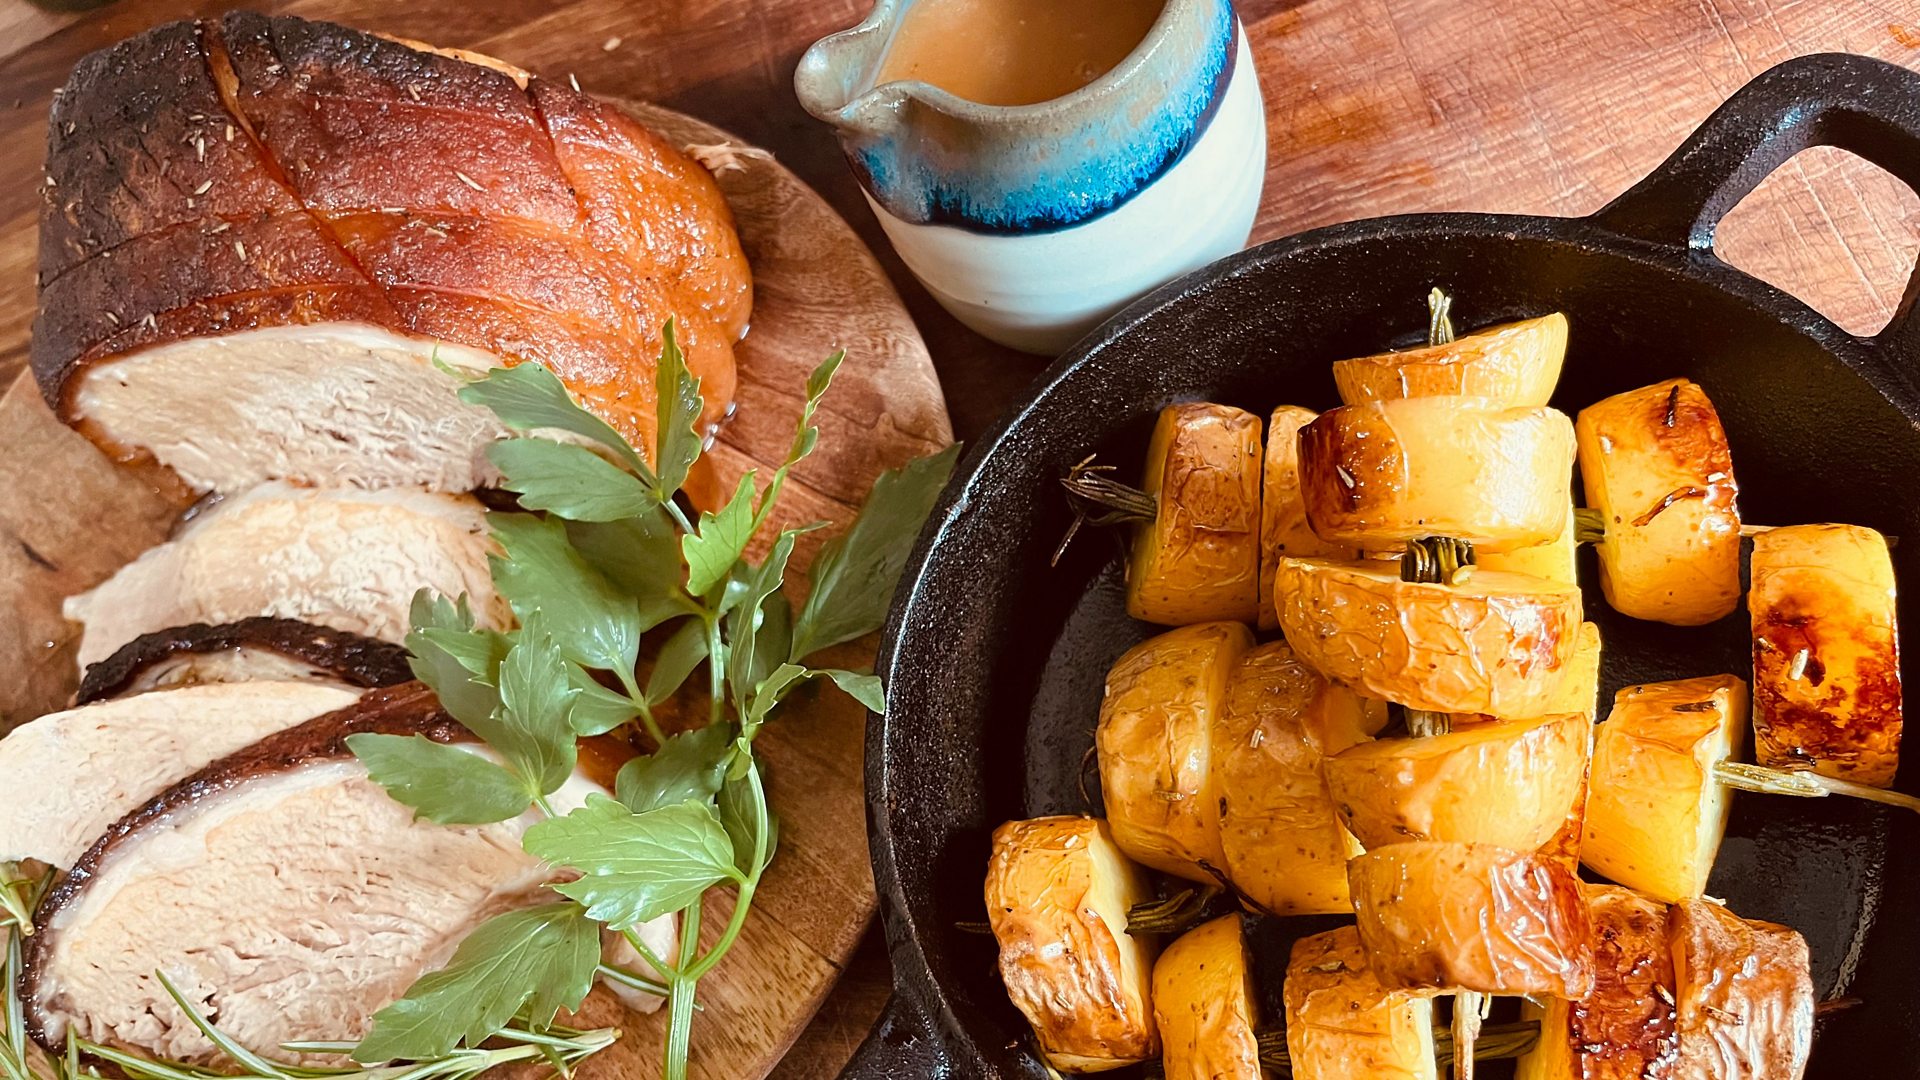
(1015, 52)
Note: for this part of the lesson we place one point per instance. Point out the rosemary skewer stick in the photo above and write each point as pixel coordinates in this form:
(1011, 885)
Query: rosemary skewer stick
(1805, 784)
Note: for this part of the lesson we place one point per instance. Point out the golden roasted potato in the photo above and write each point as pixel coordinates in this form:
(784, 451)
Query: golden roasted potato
(1058, 890)
(1515, 363)
(1826, 654)
(1655, 812)
(1199, 558)
(1508, 784)
(1744, 1006)
(1623, 1030)
(1381, 473)
(1155, 743)
(1495, 643)
(1284, 531)
(1553, 560)
(1579, 692)
(1204, 1005)
(1284, 846)
(1343, 1025)
(1657, 470)
(1472, 917)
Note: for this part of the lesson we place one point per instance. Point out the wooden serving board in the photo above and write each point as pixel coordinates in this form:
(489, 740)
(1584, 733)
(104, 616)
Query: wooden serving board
(68, 519)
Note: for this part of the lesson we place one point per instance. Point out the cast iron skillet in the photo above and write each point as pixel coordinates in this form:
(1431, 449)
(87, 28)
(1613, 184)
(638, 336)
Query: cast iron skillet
(994, 661)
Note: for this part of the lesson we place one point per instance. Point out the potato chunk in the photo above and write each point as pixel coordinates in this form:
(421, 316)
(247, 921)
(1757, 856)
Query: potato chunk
(1655, 812)
(1554, 560)
(1826, 654)
(1199, 558)
(1657, 469)
(1058, 890)
(1496, 643)
(1284, 532)
(1155, 741)
(1579, 692)
(1472, 917)
(1506, 784)
(1284, 846)
(1204, 1005)
(1515, 363)
(1342, 1024)
(1379, 474)
(1745, 1001)
(1623, 1030)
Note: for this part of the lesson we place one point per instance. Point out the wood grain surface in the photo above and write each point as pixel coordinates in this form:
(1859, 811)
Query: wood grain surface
(1374, 107)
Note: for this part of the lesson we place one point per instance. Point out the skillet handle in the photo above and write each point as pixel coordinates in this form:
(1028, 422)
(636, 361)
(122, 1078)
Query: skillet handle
(901, 1045)
(1865, 106)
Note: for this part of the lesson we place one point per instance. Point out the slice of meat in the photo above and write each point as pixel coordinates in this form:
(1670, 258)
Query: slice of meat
(262, 648)
(279, 927)
(68, 775)
(262, 236)
(349, 560)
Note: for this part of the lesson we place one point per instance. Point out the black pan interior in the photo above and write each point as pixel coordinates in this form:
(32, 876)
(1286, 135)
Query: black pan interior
(990, 719)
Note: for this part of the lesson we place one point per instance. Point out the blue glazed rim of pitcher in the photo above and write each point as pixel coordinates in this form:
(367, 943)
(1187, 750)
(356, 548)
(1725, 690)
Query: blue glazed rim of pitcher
(929, 157)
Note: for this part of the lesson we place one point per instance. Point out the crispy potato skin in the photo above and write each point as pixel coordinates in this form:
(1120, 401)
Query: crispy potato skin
(1656, 465)
(1204, 1005)
(1199, 558)
(1342, 1024)
(1057, 894)
(1497, 643)
(1155, 742)
(1826, 591)
(1624, 1029)
(1745, 1000)
(1655, 813)
(1284, 531)
(1553, 560)
(1378, 474)
(1472, 917)
(1506, 784)
(1516, 363)
(1284, 846)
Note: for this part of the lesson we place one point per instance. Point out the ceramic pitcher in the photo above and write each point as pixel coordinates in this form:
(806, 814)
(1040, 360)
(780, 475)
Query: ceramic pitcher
(1032, 223)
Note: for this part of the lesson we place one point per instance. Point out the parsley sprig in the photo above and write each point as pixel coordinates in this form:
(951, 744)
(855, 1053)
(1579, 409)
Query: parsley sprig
(601, 560)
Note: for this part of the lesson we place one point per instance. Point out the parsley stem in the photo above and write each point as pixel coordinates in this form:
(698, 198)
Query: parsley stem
(680, 1003)
(667, 971)
(638, 698)
(545, 806)
(743, 901)
(679, 516)
(633, 980)
(716, 670)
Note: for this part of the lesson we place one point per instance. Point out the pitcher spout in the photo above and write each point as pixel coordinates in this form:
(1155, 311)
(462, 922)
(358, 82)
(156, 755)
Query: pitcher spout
(836, 76)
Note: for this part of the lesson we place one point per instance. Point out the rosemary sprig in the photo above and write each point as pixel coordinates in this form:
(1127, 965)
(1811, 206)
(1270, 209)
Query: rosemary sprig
(1804, 784)
(1435, 560)
(1179, 912)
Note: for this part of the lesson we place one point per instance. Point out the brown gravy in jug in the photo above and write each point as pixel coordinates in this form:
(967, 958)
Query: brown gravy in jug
(1015, 52)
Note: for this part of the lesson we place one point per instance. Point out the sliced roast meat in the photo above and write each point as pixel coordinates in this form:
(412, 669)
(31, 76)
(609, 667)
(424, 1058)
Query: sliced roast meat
(67, 776)
(280, 889)
(264, 236)
(346, 559)
(259, 649)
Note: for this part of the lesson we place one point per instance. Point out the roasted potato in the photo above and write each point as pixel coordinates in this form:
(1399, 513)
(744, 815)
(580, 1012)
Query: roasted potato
(1655, 812)
(1381, 473)
(1579, 691)
(1472, 917)
(1514, 363)
(1204, 1005)
(1657, 470)
(1744, 1007)
(1508, 784)
(1495, 643)
(1155, 741)
(1342, 1024)
(1623, 1030)
(1284, 531)
(1826, 655)
(1285, 848)
(1199, 558)
(1553, 560)
(1058, 890)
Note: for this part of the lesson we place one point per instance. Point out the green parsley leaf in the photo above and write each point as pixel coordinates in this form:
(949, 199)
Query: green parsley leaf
(535, 961)
(567, 479)
(641, 556)
(679, 408)
(855, 573)
(532, 730)
(684, 650)
(431, 610)
(772, 641)
(542, 575)
(860, 686)
(636, 867)
(691, 766)
(596, 709)
(804, 439)
(737, 817)
(442, 783)
(527, 397)
(744, 623)
(719, 539)
(459, 666)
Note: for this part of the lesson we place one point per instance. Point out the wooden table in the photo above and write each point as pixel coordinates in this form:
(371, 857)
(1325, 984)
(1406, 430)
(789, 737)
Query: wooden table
(1374, 107)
